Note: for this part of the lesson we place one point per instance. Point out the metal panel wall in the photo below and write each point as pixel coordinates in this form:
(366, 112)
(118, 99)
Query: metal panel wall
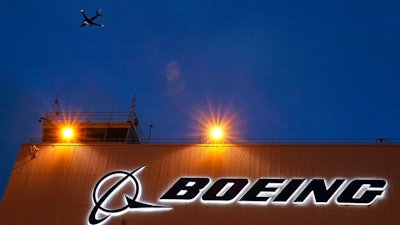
(55, 187)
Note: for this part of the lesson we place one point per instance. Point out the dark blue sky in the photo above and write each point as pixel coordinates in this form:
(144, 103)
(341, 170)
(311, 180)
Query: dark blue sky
(286, 69)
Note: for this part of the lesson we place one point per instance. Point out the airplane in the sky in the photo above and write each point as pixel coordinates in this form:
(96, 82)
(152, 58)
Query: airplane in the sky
(87, 21)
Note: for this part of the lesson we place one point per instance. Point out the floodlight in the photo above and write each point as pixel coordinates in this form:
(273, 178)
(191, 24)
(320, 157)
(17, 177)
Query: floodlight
(67, 133)
(216, 133)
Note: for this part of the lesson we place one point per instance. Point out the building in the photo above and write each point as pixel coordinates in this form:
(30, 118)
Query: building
(110, 174)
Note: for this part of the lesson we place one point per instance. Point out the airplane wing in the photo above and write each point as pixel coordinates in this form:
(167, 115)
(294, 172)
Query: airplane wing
(93, 18)
(84, 15)
(96, 24)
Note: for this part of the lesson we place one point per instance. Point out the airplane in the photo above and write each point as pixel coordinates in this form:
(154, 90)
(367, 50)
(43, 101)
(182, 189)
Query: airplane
(90, 22)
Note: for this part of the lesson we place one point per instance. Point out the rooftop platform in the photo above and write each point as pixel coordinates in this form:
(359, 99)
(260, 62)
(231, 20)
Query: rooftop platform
(93, 127)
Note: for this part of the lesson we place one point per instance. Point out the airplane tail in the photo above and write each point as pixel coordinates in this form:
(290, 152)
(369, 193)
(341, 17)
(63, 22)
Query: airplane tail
(98, 12)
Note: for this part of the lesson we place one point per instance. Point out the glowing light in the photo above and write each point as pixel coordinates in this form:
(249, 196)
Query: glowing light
(216, 125)
(216, 133)
(67, 133)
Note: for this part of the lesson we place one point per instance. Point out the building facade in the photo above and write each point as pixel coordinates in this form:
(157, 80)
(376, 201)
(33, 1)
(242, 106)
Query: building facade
(115, 183)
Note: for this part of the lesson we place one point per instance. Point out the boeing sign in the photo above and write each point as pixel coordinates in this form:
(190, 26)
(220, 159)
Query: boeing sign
(230, 190)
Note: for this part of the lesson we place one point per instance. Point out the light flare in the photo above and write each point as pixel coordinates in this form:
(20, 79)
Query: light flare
(216, 126)
(216, 133)
(67, 133)
(67, 129)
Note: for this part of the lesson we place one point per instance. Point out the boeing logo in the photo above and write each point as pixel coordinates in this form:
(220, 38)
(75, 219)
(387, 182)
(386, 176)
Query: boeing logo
(118, 180)
(263, 191)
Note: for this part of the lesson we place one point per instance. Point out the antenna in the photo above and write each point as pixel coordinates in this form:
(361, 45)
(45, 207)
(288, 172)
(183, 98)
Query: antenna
(57, 102)
(49, 117)
(149, 137)
(132, 108)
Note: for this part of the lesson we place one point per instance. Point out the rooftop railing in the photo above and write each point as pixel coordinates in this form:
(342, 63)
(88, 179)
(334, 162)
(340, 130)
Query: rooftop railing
(271, 141)
(113, 116)
(117, 116)
(284, 141)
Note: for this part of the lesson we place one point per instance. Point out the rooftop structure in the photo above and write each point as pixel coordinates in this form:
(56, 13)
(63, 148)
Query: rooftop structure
(84, 127)
(95, 127)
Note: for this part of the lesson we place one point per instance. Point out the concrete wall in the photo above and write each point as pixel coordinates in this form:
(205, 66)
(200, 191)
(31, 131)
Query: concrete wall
(55, 187)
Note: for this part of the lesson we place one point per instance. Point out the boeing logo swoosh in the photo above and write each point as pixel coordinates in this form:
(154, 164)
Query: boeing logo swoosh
(102, 211)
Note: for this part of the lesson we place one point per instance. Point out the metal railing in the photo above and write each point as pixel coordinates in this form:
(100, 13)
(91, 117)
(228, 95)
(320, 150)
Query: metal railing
(278, 141)
(118, 116)
(113, 116)
(272, 141)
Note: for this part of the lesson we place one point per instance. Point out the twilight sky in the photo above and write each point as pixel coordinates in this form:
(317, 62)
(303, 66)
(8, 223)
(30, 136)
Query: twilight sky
(277, 69)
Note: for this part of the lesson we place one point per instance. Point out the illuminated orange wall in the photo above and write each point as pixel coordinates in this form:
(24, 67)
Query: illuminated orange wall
(55, 188)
